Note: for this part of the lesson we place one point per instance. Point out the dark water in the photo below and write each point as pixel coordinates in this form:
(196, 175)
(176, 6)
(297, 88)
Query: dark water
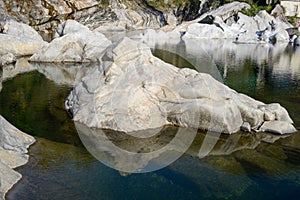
(244, 166)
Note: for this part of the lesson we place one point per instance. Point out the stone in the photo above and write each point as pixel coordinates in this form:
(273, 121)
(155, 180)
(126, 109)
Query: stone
(69, 27)
(19, 45)
(131, 90)
(76, 45)
(13, 153)
(19, 29)
(7, 59)
(205, 31)
(227, 22)
(278, 127)
(246, 127)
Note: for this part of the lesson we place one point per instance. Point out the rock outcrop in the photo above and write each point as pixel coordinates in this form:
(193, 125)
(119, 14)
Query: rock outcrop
(132, 90)
(45, 16)
(75, 43)
(13, 153)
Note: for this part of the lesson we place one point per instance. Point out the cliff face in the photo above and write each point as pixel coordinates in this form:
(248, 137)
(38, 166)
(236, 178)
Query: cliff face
(45, 15)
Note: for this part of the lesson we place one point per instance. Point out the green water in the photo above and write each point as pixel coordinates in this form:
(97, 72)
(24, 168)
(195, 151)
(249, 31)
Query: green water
(244, 166)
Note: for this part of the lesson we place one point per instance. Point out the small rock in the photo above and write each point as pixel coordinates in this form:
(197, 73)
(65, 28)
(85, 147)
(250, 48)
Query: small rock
(278, 127)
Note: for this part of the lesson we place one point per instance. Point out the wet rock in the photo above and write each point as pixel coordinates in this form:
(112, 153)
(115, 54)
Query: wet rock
(13, 153)
(131, 90)
(76, 44)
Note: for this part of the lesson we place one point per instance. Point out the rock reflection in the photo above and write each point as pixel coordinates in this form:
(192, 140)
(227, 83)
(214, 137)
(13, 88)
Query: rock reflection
(61, 74)
(217, 57)
(130, 154)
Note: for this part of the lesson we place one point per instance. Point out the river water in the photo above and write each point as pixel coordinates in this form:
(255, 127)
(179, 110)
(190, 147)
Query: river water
(244, 166)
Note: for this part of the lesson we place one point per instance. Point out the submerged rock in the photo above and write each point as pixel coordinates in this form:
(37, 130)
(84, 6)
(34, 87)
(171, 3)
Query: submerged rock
(75, 43)
(131, 90)
(13, 153)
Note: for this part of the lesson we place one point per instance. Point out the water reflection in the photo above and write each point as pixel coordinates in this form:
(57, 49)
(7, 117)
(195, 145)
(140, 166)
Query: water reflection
(61, 74)
(137, 155)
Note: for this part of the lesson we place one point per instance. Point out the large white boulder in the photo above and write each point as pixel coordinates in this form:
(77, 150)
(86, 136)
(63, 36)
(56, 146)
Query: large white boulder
(21, 30)
(19, 45)
(19, 39)
(131, 90)
(76, 44)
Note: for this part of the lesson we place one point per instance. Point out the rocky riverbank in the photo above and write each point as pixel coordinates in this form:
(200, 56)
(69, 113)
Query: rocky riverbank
(130, 89)
(13, 153)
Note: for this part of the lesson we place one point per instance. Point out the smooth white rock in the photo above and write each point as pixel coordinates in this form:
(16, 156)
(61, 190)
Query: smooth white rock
(131, 90)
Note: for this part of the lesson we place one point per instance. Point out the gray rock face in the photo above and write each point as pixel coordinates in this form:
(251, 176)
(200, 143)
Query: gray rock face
(132, 90)
(76, 44)
(45, 16)
(13, 149)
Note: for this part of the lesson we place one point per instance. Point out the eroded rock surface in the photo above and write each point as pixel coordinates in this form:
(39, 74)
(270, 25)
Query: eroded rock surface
(132, 90)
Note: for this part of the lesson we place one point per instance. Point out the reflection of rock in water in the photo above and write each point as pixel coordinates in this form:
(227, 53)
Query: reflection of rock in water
(136, 155)
(1, 77)
(131, 154)
(61, 74)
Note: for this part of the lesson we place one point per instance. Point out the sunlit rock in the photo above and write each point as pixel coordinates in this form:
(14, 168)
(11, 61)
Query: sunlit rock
(131, 90)
(21, 30)
(76, 44)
